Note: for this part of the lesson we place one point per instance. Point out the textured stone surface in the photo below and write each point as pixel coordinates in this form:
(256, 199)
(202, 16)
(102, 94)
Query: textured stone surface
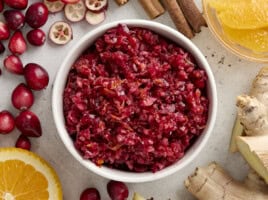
(233, 76)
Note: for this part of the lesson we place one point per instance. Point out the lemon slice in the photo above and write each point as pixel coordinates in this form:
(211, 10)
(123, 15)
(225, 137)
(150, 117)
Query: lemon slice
(255, 39)
(26, 176)
(243, 14)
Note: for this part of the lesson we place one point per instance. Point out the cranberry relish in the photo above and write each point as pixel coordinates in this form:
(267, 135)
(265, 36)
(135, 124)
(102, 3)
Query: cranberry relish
(135, 101)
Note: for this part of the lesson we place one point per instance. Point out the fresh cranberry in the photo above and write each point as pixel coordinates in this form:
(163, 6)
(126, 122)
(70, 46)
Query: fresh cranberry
(7, 122)
(4, 31)
(22, 97)
(90, 194)
(17, 4)
(36, 76)
(15, 19)
(23, 142)
(36, 37)
(13, 64)
(117, 190)
(28, 123)
(17, 44)
(36, 15)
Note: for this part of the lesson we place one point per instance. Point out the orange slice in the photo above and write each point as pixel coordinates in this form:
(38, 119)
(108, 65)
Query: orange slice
(220, 5)
(243, 14)
(26, 176)
(255, 39)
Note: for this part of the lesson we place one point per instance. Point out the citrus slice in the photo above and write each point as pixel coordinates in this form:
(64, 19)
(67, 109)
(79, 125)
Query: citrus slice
(244, 14)
(26, 176)
(220, 5)
(255, 39)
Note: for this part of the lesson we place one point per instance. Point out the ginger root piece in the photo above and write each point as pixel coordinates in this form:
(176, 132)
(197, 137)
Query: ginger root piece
(259, 90)
(237, 131)
(255, 152)
(252, 112)
(253, 115)
(213, 183)
(137, 196)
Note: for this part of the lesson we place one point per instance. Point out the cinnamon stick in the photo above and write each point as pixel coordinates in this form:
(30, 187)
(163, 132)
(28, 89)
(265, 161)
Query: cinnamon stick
(121, 2)
(192, 14)
(152, 7)
(178, 18)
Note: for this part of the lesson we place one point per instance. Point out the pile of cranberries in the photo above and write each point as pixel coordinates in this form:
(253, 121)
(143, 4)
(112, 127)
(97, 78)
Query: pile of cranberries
(36, 77)
(116, 190)
(35, 16)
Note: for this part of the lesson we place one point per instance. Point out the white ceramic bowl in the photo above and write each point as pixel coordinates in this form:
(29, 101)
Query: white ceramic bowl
(59, 85)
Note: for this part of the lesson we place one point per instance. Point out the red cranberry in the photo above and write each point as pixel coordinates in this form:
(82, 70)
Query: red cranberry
(117, 190)
(36, 15)
(4, 31)
(7, 122)
(17, 43)
(23, 142)
(17, 4)
(14, 18)
(22, 97)
(13, 64)
(90, 194)
(36, 76)
(28, 123)
(36, 37)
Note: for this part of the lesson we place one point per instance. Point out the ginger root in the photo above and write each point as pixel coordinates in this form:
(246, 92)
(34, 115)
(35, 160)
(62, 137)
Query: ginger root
(213, 183)
(237, 131)
(137, 196)
(252, 110)
(250, 137)
(255, 152)
(253, 115)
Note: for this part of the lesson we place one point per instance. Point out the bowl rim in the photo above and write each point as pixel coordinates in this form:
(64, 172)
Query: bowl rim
(115, 174)
(227, 44)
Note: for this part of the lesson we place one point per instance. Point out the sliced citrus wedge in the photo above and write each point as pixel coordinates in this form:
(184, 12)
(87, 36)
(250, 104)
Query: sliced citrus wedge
(243, 14)
(254, 39)
(26, 176)
(220, 5)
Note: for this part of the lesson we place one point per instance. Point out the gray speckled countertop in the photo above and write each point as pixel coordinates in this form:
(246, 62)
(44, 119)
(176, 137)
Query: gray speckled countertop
(233, 76)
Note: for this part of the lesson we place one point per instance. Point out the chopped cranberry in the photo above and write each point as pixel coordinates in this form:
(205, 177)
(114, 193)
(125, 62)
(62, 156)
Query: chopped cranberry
(135, 101)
